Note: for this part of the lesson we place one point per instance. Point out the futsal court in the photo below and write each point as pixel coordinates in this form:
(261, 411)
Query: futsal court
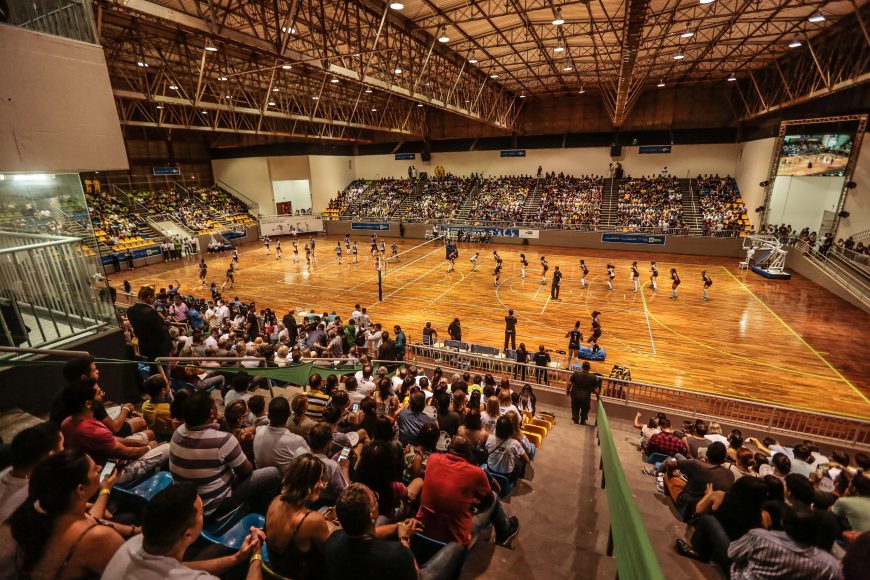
(785, 343)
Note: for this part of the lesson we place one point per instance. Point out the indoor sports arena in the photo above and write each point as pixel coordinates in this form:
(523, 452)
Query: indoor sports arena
(434, 289)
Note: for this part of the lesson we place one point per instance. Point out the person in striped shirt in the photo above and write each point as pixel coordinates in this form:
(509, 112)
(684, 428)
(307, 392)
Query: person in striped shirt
(215, 462)
(317, 399)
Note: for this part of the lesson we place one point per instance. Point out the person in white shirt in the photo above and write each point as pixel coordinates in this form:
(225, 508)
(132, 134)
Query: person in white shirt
(365, 382)
(715, 434)
(398, 379)
(223, 312)
(274, 444)
(374, 339)
(355, 314)
(28, 448)
(212, 340)
(172, 521)
(504, 451)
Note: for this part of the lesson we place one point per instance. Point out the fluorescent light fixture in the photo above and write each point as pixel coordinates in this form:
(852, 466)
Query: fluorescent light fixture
(493, 76)
(142, 64)
(275, 89)
(522, 96)
(159, 106)
(817, 17)
(286, 66)
(368, 91)
(228, 97)
(222, 79)
(290, 30)
(271, 103)
(333, 80)
(706, 1)
(33, 177)
(679, 56)
(373, 109)
(732, 78)
(315, 97)
(419, 104)
(398, 71)
(204, 112)
(173, 87)
(472, 61)
(211, 48)
(687, 34)
(396, 5)
(568, 69)
(661, 83)
(558, 20)
(795, 43)
(443, 38)
(559, 49)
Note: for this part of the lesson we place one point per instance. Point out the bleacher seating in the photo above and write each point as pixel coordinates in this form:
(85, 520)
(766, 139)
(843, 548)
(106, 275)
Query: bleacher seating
(570, 201)
(650, 203)
(344, 199)
(440, 198)
(722, 208)
(383, 197)
(501, 199)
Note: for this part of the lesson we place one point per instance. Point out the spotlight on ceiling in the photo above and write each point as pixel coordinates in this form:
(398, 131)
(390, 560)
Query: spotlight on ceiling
(286, 66)
(211, 48)
(271, 103)
(732, 78)
(522, 96)
(707, 1)
(817, 17)
(493, 76)
(419, 104)
(687, 34)
(333, 80)
(368, 91)
(795, 43)
(443, 36)
(396, 5)
(559, 49)
(582, 91)
(173, 87)
(568, 69)
(472, 61)
(679, 56)
(558, 20)
(222, 79)
(661, 83)
(398, 71)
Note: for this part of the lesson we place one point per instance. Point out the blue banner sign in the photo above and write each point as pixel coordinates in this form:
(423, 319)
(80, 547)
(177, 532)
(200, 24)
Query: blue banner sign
(654, 149)
(138, 254)
(167, 171)
(653, 239)
(513, 153)
(405, 156)
(492, 232)
(381, 227)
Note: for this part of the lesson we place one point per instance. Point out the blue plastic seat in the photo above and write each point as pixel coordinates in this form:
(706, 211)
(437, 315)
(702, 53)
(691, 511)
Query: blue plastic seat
(147, 488)
(424, 547)
(233, 537)
(507, 487)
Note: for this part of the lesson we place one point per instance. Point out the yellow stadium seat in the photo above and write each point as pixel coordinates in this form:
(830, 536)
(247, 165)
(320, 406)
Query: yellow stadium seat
(542, 431)
(534, 438)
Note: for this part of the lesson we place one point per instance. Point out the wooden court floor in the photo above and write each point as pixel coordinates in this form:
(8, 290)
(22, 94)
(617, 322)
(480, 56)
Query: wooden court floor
(782, 342)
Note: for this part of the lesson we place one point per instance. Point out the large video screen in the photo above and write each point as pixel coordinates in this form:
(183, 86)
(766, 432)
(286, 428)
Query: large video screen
(815, 155)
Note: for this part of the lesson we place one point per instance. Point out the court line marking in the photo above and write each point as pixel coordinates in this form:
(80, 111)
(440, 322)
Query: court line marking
(372, 278)
(403, 286)
(799, 337)
(545, 303)
(646, 313)
(451, 288)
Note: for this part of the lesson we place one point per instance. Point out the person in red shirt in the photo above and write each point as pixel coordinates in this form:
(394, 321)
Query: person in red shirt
(453, 485)
(666, 442)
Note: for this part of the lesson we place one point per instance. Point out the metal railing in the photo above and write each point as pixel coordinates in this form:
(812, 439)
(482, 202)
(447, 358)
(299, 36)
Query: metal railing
(47, 292)
(840, 429)
(861, 260)
(854, 284)
(252, 205)
(67, 18)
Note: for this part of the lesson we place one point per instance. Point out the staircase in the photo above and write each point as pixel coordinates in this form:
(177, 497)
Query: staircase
(352, 210)
(691, 207)
(408, 205)
(465, 207)
(609, 194)
(253, 206)
(533, 202)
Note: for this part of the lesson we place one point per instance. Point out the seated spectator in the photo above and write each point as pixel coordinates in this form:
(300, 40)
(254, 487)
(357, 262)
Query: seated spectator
(274, 444)
(715, 434)
(780, 466)
(239, 386)
(744, 464)
(296, 534)
(698, 474)
(156, 410)
(172, 522)
(801, 462)
(697, 440)
(783, 554)
(317, 399)
(299, 422)
(257, 408)
(214, 460)
(453, 485)
(648, 429)
(412, 419)
(377, 469)
(855, 505)
(472, 428)
(27, 450)
(336, 473)
(505, 452)
(82, 431)
(448, 420)
(56, 536)
(665, 442)
(799, 492)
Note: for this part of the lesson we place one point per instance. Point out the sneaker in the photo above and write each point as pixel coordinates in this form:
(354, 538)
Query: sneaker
(650, 470)
(660, 484)
(514, 530)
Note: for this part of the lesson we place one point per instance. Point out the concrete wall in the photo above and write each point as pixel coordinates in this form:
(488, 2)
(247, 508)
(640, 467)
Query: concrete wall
(795, 261)
(858, 199)
(57, 112)
(753, 163)
(250, 176)
(329, 175)
(802, 201)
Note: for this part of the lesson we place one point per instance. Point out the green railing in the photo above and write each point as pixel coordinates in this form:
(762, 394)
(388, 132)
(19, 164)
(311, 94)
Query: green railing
(628, 542)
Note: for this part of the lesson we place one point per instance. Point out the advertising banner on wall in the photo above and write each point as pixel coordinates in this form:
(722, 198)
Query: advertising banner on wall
(138, 254)
(378, 227)
(652, 239)
(282, 225)
(493, 232)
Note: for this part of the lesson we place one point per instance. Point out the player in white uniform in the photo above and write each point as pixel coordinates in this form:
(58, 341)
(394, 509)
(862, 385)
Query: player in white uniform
(338, 252)
(266, 243)
(277, 249)
(611, 274)
(473, 261)
(354, 251)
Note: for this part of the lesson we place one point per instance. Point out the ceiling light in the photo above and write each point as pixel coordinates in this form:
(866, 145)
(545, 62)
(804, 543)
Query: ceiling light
(204, 112)
(315, 97)
(396, 5)
(472, 61)
(290, 30)
(419, 104)
(228, 97)
(222, 79)
(493, 76)
(173, 87)
(661, 83)
(568, 69)
(581, 91)
(286, 66)
(368, 91)
(817, 17)
(687, 34)
(679, 56)
(141, 63)
(271, 103)
(558, 20)
(333, 80)
(559, 49)
(211, 48)
(443, 37)
(522, 96)
(732, 78)
(398, 71)
(795, 43)
(159, 106)
(373, 109)
(707, 1)
(275, 89)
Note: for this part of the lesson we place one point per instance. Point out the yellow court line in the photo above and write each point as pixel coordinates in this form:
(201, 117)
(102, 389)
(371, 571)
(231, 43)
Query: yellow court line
(799, 337)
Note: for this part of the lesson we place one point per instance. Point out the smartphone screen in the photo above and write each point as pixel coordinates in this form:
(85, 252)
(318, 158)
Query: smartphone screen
(108, 468)
(355, 408)
(345, 453)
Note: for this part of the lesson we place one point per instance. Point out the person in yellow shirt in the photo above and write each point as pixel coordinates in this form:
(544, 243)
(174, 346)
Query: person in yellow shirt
(156, 409)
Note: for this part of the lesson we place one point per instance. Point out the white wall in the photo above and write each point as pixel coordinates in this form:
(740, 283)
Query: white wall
(753, 163)
(57, 112)
(329, 175)
(248, 175)
(858, 199)
(801, 201)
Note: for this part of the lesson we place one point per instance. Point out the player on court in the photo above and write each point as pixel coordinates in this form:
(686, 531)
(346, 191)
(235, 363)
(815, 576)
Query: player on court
(236, 256)
(523, 263)
(277, 250)
(707, 283)
(653, 280)
(395, 250)
(307, 254)
(596, 331)
(676, 282)
(611, 274)
(230, 278)
(451, 257)
(347, 241)
(266, 243)
(383, 248)
(338, 252)
(473, 261)
(584, 271)
(354, 251)
(203, 270)
(374, 249)
(544, 267)
(497, 274)
(295, 251)
(313, 244)
(635, 277)
(575, 337)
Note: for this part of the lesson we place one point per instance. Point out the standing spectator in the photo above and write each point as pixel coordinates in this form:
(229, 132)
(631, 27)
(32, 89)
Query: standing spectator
(510, 331)
(150, 329)
(581, 385)
(542, 360)
(401, 342)
(455, 330)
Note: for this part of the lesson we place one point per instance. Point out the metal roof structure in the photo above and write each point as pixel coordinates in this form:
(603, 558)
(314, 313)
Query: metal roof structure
(363, 70)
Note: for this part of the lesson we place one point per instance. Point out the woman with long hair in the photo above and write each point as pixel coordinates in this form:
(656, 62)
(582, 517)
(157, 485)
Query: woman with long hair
(387, 404)
(490, 415)
(376, 468)
(528, 401)
(474, 401)
(299, 423)
(295, 535)
(56, 536)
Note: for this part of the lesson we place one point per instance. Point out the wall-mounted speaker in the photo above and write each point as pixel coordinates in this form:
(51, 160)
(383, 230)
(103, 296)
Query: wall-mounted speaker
(616, 150)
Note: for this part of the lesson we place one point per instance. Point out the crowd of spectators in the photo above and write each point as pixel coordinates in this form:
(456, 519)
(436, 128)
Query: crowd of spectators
(346, 197)
(384, 196)
(440, 198)
(722, 208)
(758, 508)
(571, 202)
(650, 203)
(502, 199)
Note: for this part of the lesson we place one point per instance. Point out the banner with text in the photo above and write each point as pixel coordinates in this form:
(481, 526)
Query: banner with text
(493, 232)
(378, 227)
(138, 254)
(652, 239)
(283, 225)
